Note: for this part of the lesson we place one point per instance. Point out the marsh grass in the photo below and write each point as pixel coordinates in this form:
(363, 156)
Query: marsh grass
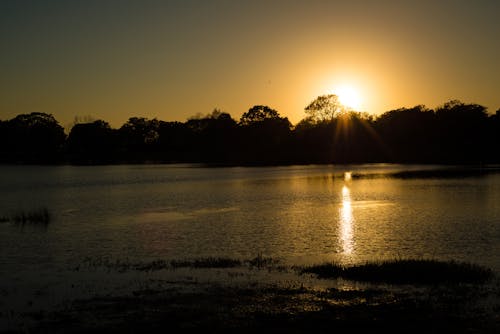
(258, 262)
(399, 271)
(208, 262)
(152, 266)
(38, 216)
(261, 262)
(405, 271)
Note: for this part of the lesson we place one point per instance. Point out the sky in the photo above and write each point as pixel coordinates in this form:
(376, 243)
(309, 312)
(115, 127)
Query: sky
(171, 60)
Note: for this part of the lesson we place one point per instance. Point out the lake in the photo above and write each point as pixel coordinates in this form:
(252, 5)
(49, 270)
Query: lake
(299, 214)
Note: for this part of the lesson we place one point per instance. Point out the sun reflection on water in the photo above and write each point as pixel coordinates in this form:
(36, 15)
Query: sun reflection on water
(346, 221)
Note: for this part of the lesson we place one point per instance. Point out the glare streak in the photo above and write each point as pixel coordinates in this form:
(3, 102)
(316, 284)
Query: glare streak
(346, 221)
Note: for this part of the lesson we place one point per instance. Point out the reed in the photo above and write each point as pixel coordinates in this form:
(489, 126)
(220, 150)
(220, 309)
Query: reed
(405, 271)
(37, 216)
(208, 262)
(261, 261)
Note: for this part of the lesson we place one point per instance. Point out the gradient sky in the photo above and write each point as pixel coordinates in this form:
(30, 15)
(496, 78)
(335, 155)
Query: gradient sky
(173, 59)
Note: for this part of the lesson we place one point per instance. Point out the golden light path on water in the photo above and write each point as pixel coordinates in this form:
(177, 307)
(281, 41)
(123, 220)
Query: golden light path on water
(346, 218)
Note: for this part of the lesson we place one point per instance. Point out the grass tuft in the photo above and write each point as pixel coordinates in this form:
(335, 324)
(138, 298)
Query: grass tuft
(39, 216)
(261, 261)
(152, 266)
(405, 271)
(208, 262)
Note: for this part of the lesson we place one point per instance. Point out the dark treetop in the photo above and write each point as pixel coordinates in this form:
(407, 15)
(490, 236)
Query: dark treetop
(454, 133)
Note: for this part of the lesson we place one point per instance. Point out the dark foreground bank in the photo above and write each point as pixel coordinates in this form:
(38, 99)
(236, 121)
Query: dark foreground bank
(278, 309)
(461, 305)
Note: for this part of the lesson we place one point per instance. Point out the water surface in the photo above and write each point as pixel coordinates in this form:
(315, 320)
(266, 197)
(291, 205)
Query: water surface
(301, 214)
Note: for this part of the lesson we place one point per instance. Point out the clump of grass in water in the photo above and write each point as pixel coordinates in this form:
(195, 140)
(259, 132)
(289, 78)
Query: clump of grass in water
(152, 266)
(209, 262)
(40, 216)
(197, 263)
(405, 271)
(261, 262)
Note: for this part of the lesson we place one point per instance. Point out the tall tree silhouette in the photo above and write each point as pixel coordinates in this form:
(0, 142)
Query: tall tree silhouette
(139, 137)
(92, 143)
(348, 137)
(454, 132)
(265, 135)
(215, 136)
(35, 137)
(175, 141)
(462, 132)
(410, 134)
(324, 108)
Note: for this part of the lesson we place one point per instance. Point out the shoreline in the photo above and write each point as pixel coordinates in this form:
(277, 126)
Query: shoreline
(264, 297)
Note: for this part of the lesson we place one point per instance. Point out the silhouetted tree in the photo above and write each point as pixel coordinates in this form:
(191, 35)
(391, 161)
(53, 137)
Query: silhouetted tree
(265, 135)
(409, 134)
(175, 141)
(222, 137)
(324, 108)
(215, 137)
(462, 130)
(355, 139)
(493, 139)
(92, 143)
(139, 137)
(314, 141)
(454, 133)
(346, 138)
(5, 154)
(33, 138)
(80, 120)
(257, 114)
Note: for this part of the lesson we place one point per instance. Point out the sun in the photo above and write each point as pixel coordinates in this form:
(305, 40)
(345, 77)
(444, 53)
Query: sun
(349, 97)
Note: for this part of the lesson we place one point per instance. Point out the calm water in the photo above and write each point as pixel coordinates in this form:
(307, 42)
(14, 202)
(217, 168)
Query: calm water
(300, 214)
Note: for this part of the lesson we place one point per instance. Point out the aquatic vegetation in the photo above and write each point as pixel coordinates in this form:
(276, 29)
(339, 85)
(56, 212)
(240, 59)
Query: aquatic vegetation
(261, 262)
(399, 271)
(295, 306)
(38, 216)
(208, 262)
(258, 262)
(405, 271)
(152, 266)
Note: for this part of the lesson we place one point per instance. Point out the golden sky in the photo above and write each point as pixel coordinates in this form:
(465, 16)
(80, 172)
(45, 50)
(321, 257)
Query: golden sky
(173, 59)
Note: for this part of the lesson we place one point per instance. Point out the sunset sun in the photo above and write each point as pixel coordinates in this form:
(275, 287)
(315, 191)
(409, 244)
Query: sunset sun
(349, 97)
(246, 166)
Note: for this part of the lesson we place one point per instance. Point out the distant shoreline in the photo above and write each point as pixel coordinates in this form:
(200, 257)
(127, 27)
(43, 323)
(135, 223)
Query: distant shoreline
(455, 133)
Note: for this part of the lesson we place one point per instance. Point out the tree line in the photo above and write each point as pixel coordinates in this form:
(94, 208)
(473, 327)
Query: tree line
(453, 133)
